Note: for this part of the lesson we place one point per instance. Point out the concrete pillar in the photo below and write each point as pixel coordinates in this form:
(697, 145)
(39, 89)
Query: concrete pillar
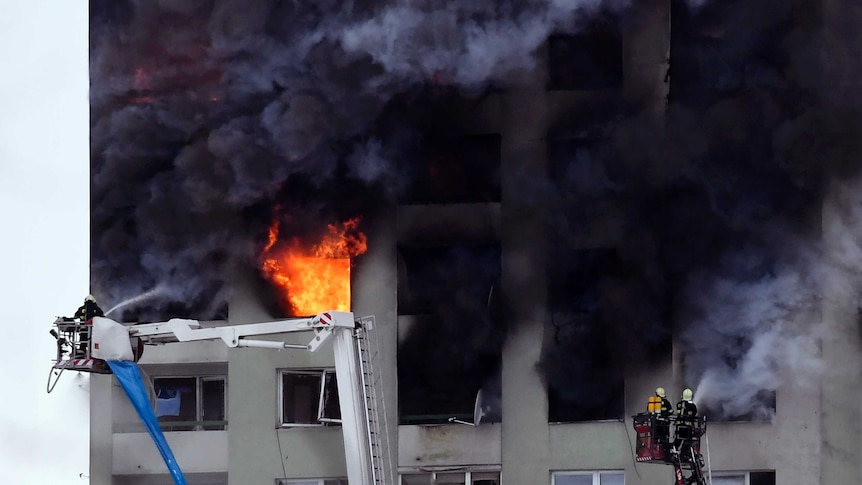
(841, 388)
(101, 429)
(525, 441)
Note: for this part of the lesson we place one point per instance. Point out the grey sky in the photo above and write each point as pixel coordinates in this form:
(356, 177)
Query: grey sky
(44, 146)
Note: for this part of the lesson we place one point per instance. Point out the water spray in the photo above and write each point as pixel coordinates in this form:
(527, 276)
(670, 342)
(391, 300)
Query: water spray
(158, 290)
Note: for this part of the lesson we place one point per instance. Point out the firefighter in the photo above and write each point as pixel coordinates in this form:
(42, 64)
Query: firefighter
(88, 310)
(662, 410)
(85, 313)
(686, 415)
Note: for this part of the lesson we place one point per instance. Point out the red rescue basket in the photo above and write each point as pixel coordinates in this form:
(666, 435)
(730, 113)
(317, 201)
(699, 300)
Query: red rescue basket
(648, 447)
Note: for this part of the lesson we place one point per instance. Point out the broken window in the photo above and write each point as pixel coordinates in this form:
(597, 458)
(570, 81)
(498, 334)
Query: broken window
(583, 359)
(190, 403)
(578, 151)
(720, 365)
(574, 164)
(588, 478)
(456, 170)
(309, 397)
(592, 59)
(760, 408)
(450, 334)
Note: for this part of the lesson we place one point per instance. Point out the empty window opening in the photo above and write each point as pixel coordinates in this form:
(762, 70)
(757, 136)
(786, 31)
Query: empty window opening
(578, 151)
(190, 403)
(450, 333)
(456, 170)
(583, 360)
(309, 398)
(746, 404)
(590, 60)
(761, 408)
(575, 164)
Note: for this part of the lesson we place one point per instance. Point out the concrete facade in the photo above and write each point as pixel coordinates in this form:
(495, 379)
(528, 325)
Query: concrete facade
(808, 442)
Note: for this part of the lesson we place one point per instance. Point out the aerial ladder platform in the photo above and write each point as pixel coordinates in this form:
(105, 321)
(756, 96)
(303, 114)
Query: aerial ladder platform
(97, 344)
(667, 440)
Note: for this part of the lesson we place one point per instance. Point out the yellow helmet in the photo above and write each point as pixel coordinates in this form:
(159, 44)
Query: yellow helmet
(90, 298)
(687, 395)
(659, 391)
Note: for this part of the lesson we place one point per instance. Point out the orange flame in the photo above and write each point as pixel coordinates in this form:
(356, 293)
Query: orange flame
(314, 279)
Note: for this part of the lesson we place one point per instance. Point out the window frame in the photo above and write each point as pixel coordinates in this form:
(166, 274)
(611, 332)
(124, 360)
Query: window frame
(746, 475)
(319, 481)
(595, 474)
(469, 479)
(321, 419)
(199, 405)
(587, 45)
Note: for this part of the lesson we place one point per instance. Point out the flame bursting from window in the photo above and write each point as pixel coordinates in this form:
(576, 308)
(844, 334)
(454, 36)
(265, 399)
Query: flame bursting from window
(316, 278)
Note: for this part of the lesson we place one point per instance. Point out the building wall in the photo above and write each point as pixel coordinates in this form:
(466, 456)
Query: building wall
(259, 450)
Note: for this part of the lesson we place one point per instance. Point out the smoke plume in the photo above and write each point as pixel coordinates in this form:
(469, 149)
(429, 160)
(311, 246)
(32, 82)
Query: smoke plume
(209, 114)
(204, 112)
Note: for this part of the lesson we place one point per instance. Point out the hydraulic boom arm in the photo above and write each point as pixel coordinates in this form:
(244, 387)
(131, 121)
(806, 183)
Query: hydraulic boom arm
(182, 330)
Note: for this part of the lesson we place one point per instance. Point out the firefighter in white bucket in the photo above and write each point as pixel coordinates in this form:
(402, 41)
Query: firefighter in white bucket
(85, 314)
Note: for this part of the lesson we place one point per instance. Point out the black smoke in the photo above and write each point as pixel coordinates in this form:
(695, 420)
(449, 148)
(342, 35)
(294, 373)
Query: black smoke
(718, 206)
(207, 115)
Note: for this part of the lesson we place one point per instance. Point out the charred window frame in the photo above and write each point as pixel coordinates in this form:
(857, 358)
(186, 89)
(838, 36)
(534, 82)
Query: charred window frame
(456, 170)
(308, 397)
(191, 403)
(589, 60)
(584, 382)
(450, 332)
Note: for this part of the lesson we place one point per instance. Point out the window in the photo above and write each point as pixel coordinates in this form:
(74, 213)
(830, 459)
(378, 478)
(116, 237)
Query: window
(749, 405)
(744, 478)
(582, 361)
(574, 164)
(760, 408)
(450, 334)
(588, 478)
(190, 403)
(451, 478)
(586, 61)
(313, 481)
(309, 398)
(457, 170)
